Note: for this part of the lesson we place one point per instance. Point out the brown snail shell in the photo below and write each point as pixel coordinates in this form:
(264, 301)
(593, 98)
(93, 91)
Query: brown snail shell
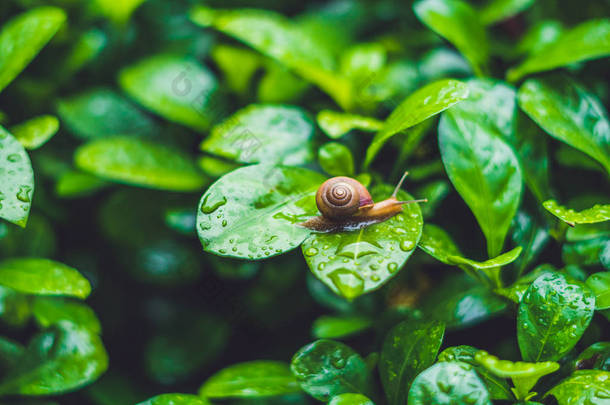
(341, 197)
(345, 204)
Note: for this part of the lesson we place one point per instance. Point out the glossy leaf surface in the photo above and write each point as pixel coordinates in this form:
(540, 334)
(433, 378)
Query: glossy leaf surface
(583, 387)
(597, 213)
(326, 368)
(599, 283)
(34, 132)
(253, 212)
(448, 383)
(336, 124)
(43, 277)
(553, 315)
(569, 113)
(17, 186)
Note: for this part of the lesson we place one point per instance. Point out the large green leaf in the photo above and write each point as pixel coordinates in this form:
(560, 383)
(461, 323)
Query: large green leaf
(485, 171)
(179, 89)
(23, 37)
(253, 212)
(599, 283)
(589, 40)
(498, 10)
(595, 214)
(175, 399)
(279, 38)
(34, 132)
(102, 112)
(142, 163)
(459, 23)
(408, 349)
(498, 387)
(336, 124)
(17, 185)
(43, 277)
(57, 360)
(353, 263)
(263, 133)
(524, 375)
(251, 380)
(417, 107)
(448, 383)
(568, 112)
(583, 387)
(326, 368)
(553, 315)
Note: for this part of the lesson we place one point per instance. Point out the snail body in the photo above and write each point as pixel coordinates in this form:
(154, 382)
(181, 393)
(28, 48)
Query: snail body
(345, 205)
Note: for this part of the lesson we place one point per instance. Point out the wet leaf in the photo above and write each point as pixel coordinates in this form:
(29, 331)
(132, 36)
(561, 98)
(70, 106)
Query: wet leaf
(336, 327)
(459, 23)
(596, 356)
(599, 283)
(326, 368)
(417, 107)
(529, 232)
(43, 277)
(102, 112)
(498, 388)
(337, 124)
(336, 159)
(253, 212)
(524, 375)
(353, 263)
(251, 380)
(60, 359)
(178, 89)
(408, 349)
(448, 383)
(597, 213)
(142, 163)
(263, 133)
(35, 132)
(553, 315)
(485, 171)
(17, 186)
(583, 387)
(588, 40)
(23, 37)
(569, 113)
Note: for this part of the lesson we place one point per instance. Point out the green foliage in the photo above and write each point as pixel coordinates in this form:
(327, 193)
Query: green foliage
(172, 150)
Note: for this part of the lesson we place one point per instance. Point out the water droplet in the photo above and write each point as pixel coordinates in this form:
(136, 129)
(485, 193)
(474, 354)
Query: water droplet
(224, 222)
(375, 277)
(392, 267)
(407, 245)
(13, 158)
(321, 266)
(311, 251)
(338, 362)
(207, 207)
(24, 194)
(349, 283)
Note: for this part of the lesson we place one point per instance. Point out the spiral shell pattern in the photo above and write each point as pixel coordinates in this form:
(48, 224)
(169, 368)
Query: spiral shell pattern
(340, 197)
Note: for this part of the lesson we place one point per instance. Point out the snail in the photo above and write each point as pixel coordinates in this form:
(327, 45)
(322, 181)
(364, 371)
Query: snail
(345, 204)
